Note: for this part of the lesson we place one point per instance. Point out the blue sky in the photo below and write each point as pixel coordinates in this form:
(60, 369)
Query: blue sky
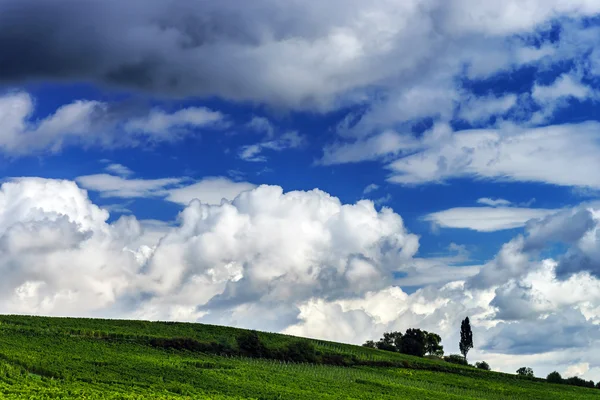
(289, 165)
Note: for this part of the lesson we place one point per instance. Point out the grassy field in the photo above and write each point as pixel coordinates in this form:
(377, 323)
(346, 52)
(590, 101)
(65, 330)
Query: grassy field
(68, 358)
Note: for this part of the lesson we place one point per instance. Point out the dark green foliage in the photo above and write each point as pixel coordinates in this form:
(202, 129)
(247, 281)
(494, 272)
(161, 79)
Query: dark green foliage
(370, 344)
(413, 342)
(68, 358)
(432, 344)
(301, 351)
(466, 337)
(577, 381)
(525, 372)
(250, 345)
(456, 359)
(554, 377)
(390, 341)
(482, 365)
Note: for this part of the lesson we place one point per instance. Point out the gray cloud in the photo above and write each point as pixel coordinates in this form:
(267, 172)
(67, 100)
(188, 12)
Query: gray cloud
(293, 53)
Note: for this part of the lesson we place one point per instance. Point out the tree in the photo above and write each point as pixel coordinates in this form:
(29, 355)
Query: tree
(370, 344)
(554, 377)
(389, 341)
(482, 365)
(432, 344)
(466, 337)
(525, 371)
(413, 342)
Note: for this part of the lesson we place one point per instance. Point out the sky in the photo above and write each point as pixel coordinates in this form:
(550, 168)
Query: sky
(330, 169)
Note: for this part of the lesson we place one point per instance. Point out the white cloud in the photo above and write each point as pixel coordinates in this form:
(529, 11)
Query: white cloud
(118, 169)
(576, 369)
(559, 154)
(556, 95)
(209, 190)
(493, 202)
(88, 123)
(297, 262)
(162, 126)
(116, 186)
(480, 109)
(263, 125)
(486, 219)
(384, 144)
(370, 188)
(565, 85)
(289, 140)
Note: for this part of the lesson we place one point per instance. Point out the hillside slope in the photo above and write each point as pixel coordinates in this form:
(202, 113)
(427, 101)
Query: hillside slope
(70, 358)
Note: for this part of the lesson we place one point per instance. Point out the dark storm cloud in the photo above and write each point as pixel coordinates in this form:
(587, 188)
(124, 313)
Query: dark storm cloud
(139, 44)
(175, 48)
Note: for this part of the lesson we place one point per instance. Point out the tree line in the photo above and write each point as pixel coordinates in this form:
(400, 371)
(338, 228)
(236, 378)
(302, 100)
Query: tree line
(420, 343)
(417, 342)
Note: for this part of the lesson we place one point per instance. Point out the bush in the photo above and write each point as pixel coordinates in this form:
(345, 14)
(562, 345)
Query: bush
(250, 345)
(456, 359)
(301, 351)
(554, 377)
(482, 365)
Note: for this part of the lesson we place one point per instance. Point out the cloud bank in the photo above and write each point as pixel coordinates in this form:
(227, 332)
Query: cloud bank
(297, 262)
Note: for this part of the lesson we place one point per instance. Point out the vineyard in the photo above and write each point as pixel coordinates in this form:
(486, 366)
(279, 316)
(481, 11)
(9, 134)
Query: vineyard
(68, 358)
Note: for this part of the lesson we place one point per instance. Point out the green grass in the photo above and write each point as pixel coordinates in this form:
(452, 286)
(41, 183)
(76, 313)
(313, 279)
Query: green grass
(65, 358)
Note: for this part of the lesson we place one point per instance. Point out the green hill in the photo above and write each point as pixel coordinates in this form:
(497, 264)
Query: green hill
(71, 358)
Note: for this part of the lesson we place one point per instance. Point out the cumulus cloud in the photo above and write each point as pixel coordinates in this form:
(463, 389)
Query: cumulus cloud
(294, 262)
(88, 123)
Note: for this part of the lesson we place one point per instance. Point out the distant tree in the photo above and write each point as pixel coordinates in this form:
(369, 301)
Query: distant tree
(432, 344)
(370, 344)
(413, 342)
(389, 341)
(482, 365)
(554, 377)
(598, 385)
(466, 337)
(577, 381)
(525, 371)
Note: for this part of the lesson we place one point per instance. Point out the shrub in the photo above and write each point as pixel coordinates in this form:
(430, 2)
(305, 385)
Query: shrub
(482, 365)
(554, 377)
(456, 359)
(250, 345)
(301, 351)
